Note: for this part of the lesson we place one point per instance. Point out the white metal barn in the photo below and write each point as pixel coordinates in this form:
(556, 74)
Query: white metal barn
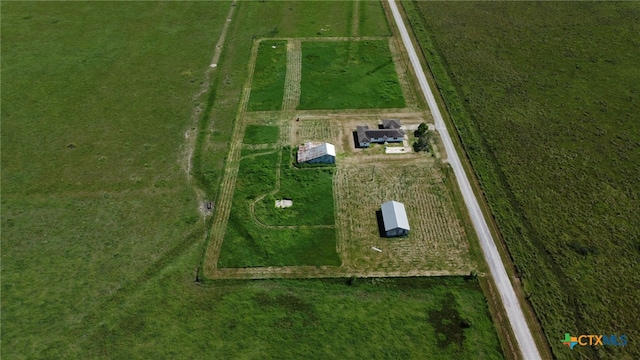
(317, 153)
(395, 219)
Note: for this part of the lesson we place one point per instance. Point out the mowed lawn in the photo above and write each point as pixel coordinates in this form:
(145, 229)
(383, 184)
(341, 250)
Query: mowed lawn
(546, 99)
(349, 75)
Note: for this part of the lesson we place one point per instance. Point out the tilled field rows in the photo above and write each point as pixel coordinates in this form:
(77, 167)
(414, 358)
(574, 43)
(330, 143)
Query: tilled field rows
(437, 240)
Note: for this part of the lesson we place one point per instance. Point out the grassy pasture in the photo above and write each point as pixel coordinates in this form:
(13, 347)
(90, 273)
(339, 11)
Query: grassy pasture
(312, 193)
(95, 101)
(349, 75)
(248, 244)
(261, 134)
(316, 319)
(267, 87)
(545, 100)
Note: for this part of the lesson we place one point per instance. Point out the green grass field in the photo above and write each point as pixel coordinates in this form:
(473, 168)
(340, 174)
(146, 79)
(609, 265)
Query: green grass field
(349, 75)
(310, 189)
(261, 134)
(247, 244)
(96, 99)
(267, 87)
(545, 97)
(101, 237)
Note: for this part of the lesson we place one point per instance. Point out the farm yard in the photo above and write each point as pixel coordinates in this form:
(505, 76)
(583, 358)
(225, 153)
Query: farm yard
(437, 240)
(139, 186)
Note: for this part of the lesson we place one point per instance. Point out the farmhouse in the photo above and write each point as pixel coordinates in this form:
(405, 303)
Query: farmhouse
(390, 132)
(317, 153)
(395, 219)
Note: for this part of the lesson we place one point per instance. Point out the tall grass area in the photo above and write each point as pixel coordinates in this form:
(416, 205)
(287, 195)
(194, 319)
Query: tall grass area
(545, 98)
(349, 75)
(310, 189)
(267, 87)
(247, 244)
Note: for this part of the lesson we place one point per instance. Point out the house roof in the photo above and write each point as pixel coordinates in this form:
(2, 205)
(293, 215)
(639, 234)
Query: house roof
(365, 134)
(313, 150)
(391, 124)
(394, 216)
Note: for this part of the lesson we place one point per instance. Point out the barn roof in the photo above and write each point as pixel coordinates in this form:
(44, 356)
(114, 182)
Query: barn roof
(394, 216)
(313, 150)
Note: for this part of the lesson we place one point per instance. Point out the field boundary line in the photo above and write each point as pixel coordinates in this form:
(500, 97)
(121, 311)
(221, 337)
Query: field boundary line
(291, 97)
(292, 272)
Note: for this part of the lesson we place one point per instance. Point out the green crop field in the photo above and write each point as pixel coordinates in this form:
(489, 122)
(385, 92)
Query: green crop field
(247, 244)
(545, 97)
(349, 75)
(261, 134)
(267, 87)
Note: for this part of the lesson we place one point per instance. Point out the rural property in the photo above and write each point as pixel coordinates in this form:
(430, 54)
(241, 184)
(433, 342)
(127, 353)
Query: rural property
(394, 179)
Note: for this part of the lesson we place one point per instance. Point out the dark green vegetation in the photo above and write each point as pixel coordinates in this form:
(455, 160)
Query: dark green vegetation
(546, 99)
(310, 189)
(267, 87)
(422, 138)
(261, 134)
(247, 243)
(349, 75)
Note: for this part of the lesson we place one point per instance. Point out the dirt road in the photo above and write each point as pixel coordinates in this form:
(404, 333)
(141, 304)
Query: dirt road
(507, 293)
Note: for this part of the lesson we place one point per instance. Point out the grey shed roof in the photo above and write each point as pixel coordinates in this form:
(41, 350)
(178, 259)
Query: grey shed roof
(391, 124)
(394, 216)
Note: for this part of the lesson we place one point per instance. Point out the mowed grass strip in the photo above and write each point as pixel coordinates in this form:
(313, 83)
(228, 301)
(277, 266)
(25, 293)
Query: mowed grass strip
(267, 87)
(545, 97)
(349, 75)
(310, 189)
(247, 244)
(261, 134)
